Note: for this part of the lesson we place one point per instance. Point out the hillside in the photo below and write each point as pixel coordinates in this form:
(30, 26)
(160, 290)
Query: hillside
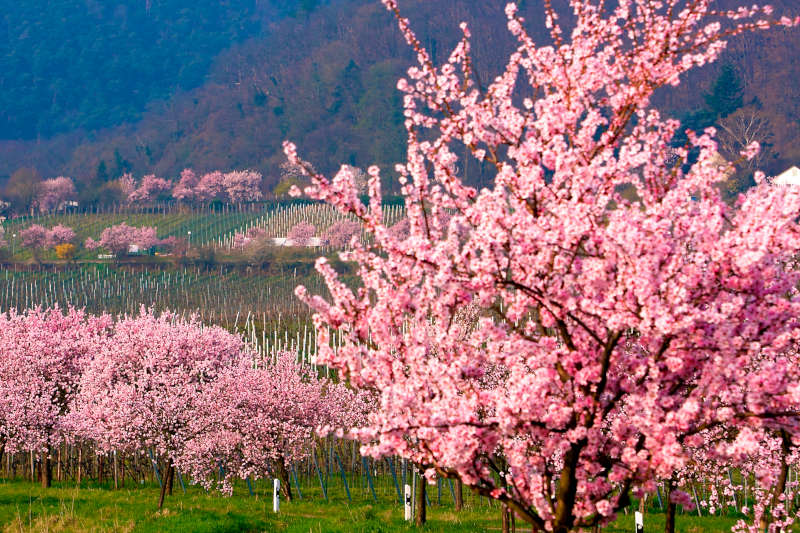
(227, 82)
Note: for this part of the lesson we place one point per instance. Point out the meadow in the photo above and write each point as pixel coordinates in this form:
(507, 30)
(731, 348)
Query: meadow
(26, 507)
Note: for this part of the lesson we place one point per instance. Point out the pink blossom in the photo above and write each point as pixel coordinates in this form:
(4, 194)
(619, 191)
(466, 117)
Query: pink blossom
(149, 189)
(618, 333)
(242, 185)
(54, 192)
(302, 233)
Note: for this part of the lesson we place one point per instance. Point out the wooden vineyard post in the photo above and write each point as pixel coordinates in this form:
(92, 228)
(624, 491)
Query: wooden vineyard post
(276, 495)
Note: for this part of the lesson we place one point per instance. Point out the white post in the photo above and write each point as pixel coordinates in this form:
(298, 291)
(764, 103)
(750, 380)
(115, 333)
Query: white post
(276, 495)
(408, 502)
(638, 519)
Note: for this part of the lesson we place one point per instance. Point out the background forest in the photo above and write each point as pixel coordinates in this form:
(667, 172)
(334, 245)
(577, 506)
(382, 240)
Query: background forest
(93, 90)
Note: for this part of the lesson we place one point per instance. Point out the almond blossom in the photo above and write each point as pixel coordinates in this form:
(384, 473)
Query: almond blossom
(618, 327)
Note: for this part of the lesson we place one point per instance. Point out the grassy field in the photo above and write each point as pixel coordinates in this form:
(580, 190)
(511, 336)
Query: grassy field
(25, 506)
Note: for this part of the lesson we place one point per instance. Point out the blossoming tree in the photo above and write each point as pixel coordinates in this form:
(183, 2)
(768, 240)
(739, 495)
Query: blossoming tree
(54, 192)
(621, 326)
(261, 419)
(138, 393)
(119, 238)
(40, 363)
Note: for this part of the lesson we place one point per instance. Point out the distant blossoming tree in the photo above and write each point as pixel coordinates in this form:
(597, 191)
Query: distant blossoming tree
(340, 233)
(119, 238)
(302, 233)
(54, 192)
(241, 240)
(185, 189)
(149, 189)
(37, 238)
(618, 328)
(242, 186)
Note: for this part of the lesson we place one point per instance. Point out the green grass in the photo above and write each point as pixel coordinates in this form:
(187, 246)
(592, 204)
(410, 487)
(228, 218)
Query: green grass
(25, 506)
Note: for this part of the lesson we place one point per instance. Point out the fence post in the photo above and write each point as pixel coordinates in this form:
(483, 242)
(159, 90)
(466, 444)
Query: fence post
(394, 477)
(296, 484)
(344, 478)
(319, 475)
(369, 478)
(276, 495)
(407, 506)
(155, 466)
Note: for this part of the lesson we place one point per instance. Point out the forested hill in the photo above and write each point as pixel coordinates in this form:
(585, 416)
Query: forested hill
(92, 89)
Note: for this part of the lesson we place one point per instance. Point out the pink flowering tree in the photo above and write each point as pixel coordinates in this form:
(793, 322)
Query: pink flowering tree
(242, 186)
(54, 192)
(259, 420)
(40, 363)
(150, 189)
(185, 189)
(623, 325)
(302, 233)
(119, 238)
(146, 387)
(210, 187)
(242, 240)
(61, 234)
(36, 238)
(340, 233)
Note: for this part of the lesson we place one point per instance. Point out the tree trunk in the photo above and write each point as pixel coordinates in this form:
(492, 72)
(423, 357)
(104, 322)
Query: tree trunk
(669, 519)
(45, 468)
(170, 472)
(170, 480)
(508, 519)
(459, 490)
(780, 486)
(283, 472)
(421, 510)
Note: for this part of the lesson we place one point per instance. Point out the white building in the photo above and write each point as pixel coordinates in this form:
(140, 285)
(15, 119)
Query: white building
(788, 177)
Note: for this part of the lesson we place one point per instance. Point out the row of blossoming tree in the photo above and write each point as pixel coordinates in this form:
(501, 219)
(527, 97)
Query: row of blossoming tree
(630, 325)
(193, 394)
(237, 186)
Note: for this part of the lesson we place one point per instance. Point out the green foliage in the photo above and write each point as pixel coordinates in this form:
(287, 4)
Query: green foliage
(76, 64)
(726, 93)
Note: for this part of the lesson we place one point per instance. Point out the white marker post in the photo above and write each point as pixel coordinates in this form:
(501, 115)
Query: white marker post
(408, 502)
(638, 519)
(276, 495)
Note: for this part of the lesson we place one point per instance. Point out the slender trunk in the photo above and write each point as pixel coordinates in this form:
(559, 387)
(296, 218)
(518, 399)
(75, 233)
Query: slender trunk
(170, 470)
(421, 511)
(669, 519)
(2, 449)
(80, 470)
(170, 480)
(506, 519)
(46, 470)
(459, 490)
(780, 486)
(100, 469)
(116, 472)
(283, 472)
